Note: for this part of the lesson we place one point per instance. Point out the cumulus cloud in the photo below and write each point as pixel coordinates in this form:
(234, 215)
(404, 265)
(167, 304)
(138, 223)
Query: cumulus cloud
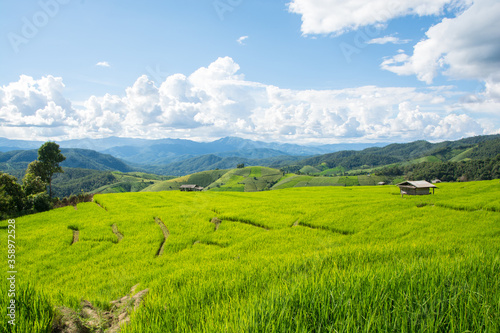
(463, 47)
(217, 101)
(339, 16)
(103, 64)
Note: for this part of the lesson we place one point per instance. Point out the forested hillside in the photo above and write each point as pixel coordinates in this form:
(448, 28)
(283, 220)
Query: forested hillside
(479, 148)
(75, 158)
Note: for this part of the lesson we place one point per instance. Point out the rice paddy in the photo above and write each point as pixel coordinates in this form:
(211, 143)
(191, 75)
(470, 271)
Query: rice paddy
(318, 259)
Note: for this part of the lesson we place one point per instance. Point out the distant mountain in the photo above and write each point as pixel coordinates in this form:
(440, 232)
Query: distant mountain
(212, 162)
(165, 151)
(75, 158)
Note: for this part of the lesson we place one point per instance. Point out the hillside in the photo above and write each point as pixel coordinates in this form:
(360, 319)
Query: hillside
(75, 158)
(252, 179)
(129, 182)
(480, 147)
(203, 179)
(335, 259)
(249, 179)
(213, 162)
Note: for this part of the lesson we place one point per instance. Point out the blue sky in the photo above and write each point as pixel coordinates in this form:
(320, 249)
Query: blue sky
(307, 71)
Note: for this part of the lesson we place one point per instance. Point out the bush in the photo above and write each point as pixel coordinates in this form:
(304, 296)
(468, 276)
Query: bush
(40, 202)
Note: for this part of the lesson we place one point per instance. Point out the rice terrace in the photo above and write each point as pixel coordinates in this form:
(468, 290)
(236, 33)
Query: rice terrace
(315, 259)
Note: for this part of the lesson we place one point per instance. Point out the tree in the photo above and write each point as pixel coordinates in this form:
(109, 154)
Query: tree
(11, 195)
(241, 166)
(33, 184)
(49, 157)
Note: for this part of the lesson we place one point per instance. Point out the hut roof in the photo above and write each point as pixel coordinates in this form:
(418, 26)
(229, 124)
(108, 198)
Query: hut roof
(189, 186)
(417, 184)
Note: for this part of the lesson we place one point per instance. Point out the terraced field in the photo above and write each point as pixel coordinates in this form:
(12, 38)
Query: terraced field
(319, 259)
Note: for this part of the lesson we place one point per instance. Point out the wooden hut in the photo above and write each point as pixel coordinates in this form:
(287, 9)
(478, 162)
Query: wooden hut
(190, 188)
(417, 187)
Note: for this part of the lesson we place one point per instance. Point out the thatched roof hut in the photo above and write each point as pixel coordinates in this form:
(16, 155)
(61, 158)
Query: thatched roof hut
(416, 187)
(190, 188)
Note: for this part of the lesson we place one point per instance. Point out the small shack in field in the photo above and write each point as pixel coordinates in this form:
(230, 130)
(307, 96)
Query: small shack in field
(190, 188)
(417, 187)
(382, 183)
(436, 181)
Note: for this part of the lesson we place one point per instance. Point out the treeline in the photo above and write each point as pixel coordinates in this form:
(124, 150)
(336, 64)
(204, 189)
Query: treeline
(447, 171)
(73, 181)
(34, 195)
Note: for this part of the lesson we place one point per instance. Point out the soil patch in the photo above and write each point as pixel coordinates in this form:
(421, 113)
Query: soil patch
(165, 235)
(92, 319)
(118, 234)
(217, 222)
(76, 236)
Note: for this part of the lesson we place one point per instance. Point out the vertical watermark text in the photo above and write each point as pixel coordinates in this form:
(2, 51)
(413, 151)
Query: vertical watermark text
(11, 272)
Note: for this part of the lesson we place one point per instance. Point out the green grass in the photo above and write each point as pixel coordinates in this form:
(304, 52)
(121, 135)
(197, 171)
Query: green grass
(317, 259)
(333, 171)
(310, 170)
(249, 179)
(463, 156)
(204, 179)
(131, 182)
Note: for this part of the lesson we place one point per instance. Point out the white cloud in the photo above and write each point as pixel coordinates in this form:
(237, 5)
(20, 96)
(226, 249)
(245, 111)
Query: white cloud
(464, 47)
(216, 101)
(103, 64)
(388, 39)
(339, 16)
(241, 40)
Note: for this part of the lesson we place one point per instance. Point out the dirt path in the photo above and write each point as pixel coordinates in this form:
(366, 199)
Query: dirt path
(165, 234)
(245, 221)
(98, 204)
(93, 319)
(217, 222)
(76, 235)
(334, 230)
(118, 234)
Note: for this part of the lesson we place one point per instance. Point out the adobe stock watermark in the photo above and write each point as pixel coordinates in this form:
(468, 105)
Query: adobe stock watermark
(363, 37)
(12, 271)
(223, 6)
(31, 26)
(157, 74)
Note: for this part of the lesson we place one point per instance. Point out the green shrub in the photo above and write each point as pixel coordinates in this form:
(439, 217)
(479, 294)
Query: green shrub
(41, 202)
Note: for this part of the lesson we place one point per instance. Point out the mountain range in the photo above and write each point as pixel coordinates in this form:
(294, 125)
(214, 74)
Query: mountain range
(177, 157)
(164, 151)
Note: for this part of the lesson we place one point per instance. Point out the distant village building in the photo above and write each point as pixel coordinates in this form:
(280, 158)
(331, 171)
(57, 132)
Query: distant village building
(418, 187)
(382, 183)
(435, 181)
(190, 188)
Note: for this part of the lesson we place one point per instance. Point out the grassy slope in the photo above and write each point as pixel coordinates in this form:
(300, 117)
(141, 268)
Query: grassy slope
(130, 182)
(305, 260)
(203, 178)
(249, 179)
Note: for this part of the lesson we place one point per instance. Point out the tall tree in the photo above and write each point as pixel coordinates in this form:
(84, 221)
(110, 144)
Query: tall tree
(49, 157)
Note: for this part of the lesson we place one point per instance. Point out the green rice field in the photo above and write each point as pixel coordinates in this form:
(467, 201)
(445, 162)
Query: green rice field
(302, 259)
